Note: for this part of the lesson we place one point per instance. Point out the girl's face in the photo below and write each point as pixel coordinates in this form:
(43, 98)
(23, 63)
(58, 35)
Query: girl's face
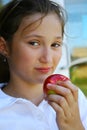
(36, 50)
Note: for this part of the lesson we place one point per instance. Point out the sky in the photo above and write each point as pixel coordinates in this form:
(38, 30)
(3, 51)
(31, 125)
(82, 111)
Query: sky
(5, 1)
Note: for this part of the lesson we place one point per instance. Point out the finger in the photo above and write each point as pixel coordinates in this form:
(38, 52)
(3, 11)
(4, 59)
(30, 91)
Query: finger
(72, 87)
(59, 110)
(61, 104)
(64, 92)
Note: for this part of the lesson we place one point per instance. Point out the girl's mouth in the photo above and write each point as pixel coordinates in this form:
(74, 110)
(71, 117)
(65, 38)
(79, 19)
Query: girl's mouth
(44, 70)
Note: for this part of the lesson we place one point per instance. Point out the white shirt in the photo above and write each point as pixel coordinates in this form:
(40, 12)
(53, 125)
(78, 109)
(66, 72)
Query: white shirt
(21, 114)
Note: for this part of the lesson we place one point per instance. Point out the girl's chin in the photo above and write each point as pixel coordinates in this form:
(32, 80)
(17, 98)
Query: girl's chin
(42, 78)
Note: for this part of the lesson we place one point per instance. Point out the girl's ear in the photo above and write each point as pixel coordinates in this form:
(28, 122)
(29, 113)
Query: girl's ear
(3, 47)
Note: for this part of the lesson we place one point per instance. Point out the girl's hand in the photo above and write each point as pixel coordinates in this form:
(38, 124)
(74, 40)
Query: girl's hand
(65, 103)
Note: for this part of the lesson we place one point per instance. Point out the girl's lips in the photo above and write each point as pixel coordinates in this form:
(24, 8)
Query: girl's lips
(44, 70)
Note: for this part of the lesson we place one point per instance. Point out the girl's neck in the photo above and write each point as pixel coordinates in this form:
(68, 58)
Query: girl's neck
(33, 93)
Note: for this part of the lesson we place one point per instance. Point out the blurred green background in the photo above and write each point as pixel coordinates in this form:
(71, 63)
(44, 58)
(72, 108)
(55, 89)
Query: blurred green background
(78, 74)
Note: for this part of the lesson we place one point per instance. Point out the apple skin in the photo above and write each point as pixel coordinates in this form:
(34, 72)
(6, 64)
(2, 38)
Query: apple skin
(53, 79)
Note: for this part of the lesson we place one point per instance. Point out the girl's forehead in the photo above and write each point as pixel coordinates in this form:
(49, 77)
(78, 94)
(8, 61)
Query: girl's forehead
(31, 18)
(29, 23)
(48, 27)
(33, 21)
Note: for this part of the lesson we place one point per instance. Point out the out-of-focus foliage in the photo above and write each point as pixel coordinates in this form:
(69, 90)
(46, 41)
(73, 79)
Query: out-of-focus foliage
(78, 75)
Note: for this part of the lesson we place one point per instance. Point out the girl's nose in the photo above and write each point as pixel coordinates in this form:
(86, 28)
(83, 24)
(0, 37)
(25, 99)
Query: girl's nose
(46, 55)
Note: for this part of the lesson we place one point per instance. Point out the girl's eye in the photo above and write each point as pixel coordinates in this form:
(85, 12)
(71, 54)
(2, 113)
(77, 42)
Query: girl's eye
(56, 45)
(34, 43)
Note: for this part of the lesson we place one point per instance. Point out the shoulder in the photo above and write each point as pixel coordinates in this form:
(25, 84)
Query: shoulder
(5, 99)
(82, 102)
(82, 99)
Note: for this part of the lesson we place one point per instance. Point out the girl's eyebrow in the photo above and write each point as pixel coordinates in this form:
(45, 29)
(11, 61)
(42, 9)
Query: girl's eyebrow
(40, 36)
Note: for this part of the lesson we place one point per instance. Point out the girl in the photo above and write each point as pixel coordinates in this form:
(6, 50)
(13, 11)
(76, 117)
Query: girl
(31, 35)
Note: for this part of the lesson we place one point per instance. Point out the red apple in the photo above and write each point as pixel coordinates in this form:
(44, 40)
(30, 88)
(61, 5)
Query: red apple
(53, 79)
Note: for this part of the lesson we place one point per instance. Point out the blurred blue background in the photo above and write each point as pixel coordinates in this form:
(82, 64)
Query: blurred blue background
(76, 27)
